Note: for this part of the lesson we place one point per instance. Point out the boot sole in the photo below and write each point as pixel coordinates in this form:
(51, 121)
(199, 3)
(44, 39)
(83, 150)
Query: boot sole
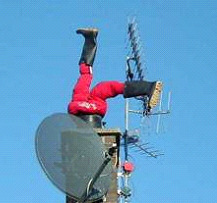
(94, 31)
(155, 97)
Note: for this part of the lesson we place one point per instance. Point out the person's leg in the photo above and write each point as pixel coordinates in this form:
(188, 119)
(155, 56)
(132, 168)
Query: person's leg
(82, 87)
(105, 90)
(109, 89)
(140, 88)
(90, 45)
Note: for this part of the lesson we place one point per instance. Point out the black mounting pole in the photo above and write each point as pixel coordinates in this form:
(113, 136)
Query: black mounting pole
(94, 179)
(126, 145)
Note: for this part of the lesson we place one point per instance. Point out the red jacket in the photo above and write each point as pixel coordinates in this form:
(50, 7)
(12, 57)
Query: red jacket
(85, 101)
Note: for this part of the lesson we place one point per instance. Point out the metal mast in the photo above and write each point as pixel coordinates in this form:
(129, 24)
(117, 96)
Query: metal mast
(135, 70)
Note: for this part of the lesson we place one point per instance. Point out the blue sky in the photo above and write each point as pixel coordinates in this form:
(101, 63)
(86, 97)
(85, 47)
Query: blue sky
(39, 55)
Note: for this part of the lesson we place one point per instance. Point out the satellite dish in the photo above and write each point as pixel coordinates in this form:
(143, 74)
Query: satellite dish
(73, 157)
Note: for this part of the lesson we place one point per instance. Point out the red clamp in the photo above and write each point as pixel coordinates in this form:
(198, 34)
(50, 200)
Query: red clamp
(128, 167)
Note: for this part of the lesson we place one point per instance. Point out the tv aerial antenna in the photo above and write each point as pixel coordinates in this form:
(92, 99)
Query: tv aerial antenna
(73, 157)
(135, 70)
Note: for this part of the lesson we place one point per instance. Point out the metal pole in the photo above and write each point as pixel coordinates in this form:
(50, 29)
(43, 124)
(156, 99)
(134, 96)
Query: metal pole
(90, 186)
(126, 114)
(125, 176)
(126, 129)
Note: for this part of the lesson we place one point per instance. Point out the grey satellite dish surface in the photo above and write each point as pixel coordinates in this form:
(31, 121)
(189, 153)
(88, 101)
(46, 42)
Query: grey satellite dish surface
(73, 157)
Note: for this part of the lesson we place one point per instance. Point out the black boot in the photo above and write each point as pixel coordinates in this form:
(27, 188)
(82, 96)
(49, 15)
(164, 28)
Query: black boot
(90, 46)
(144, 88)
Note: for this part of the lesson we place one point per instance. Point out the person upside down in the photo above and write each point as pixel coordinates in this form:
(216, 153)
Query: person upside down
(88, 102)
